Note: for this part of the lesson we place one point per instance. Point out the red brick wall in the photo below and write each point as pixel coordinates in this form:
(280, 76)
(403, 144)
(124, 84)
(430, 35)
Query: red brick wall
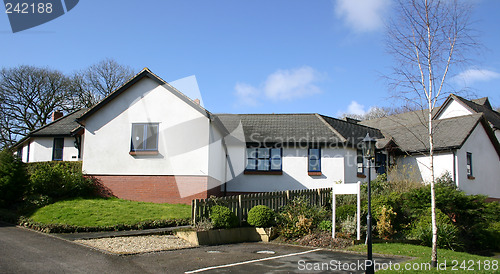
(160, 189)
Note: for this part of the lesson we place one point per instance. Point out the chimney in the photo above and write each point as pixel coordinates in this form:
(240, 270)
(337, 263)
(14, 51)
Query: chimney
(56, 115)
(197, 101)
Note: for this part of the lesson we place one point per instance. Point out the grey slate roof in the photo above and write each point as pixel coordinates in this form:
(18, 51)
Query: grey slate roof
(482, 105)
(296, 128)
(63, 126)
(409, 131)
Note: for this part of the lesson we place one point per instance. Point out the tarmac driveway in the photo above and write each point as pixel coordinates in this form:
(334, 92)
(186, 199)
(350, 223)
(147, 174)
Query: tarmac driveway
(26, 251)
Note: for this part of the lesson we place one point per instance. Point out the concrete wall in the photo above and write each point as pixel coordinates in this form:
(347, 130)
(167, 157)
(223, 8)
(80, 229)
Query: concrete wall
(454, 109)
(485, 165)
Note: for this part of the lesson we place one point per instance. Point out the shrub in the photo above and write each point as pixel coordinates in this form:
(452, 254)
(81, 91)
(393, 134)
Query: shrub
(385, 222)
(325, 225)
(448, 234)
(345, 211)
(348, 226)
(223, 217)
(261, 216)
(13, 179)
(59, 180)
(203, 225)
(298, 217)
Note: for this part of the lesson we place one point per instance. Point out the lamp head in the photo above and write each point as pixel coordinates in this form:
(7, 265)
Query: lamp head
(369, 146)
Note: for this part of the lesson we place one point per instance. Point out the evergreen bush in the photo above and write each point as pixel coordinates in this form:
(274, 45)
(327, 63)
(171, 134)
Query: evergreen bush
(13, 179)
(261, 216)
(223, 217)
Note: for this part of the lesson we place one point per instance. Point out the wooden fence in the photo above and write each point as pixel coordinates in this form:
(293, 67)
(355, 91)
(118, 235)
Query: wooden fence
(241, 204)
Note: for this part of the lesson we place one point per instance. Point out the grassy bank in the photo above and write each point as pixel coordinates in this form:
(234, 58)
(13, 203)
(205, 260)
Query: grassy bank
(449, 261)
(107, 212)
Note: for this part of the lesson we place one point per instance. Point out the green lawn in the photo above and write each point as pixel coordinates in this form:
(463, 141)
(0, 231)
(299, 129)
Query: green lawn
(107, 212)
(451, 261)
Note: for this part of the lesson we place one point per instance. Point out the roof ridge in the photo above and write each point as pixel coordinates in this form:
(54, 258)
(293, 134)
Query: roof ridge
(344, 121)
(342, 138)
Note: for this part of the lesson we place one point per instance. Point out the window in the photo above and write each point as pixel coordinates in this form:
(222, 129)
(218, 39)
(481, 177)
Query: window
(263, 159)
(57, 149)
(470, 174)
(360, 162)
(19, 153)
(144, 138)
(314, 163)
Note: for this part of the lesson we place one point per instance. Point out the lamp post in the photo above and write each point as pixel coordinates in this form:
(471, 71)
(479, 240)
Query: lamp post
(369, 153)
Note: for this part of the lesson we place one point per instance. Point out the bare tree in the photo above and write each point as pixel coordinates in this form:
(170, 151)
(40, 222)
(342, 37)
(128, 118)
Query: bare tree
(428, 39)
(377, 112)
(97, 81)
(28, 96)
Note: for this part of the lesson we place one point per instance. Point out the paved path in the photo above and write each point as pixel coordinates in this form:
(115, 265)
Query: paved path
(26, 251)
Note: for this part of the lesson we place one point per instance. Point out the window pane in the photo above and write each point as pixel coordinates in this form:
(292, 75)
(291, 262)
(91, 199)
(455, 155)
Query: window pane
(276, 164)
(314, 161)
(276, 159)
(360, 168)
(152, 138)
(57, 150)
(137, 137)
(276, 153)
(251, 153)
(251, 164)
(314, 165)
(263, 153)
(263, 164)
(58, 154)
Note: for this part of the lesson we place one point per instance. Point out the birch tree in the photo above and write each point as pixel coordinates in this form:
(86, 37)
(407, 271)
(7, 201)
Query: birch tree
(428, 40)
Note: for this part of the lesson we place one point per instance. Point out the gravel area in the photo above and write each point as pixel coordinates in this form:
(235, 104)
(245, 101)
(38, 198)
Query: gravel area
(137, 244)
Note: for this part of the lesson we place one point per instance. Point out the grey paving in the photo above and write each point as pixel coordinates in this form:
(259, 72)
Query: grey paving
(26, 251)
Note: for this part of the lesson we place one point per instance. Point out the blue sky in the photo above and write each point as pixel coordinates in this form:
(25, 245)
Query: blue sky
(247, 56)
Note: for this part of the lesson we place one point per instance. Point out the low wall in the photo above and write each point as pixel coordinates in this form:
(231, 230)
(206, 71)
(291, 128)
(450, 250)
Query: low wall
(159, 189)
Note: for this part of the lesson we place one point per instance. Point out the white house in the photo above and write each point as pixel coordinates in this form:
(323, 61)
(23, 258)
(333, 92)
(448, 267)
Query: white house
(465, 144)
(59, 140)
(455, 106)
(147, 141)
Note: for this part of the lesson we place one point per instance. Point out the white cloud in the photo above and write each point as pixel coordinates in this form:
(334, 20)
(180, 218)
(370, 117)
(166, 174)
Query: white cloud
(247, 95)
(471, 76)
(291, 84)
(356, 108)
(362, 15)
(281, 85)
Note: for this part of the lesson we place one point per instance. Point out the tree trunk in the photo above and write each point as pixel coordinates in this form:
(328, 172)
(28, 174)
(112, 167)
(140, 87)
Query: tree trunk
(433, 193)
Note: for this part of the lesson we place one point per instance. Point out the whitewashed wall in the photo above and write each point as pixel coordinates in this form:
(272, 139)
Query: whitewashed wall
(40, 150)
(183, 134)
(454, 109)
(217, 155)
(485, 164)
(443, 163)
(295, 171)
